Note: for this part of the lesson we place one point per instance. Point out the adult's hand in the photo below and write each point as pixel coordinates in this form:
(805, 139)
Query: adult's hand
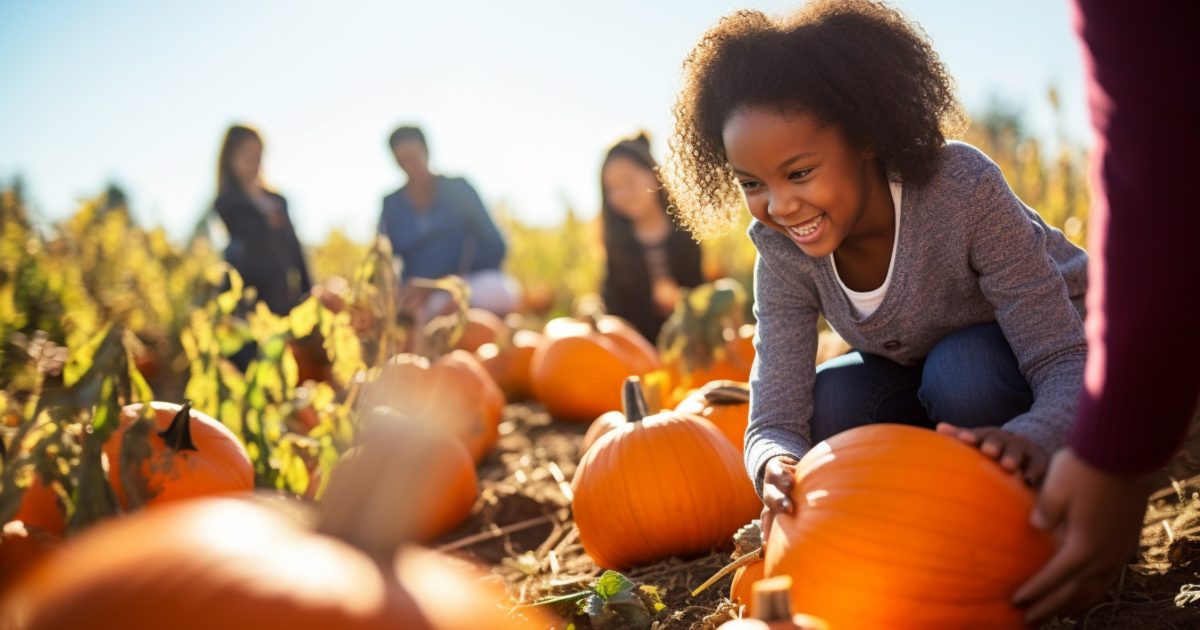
(1098, 518)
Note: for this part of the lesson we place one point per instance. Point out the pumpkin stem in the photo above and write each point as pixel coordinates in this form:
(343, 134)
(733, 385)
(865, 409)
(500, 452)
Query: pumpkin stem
(727, 393)
(773, 598)
(178, 436)
(633, 399)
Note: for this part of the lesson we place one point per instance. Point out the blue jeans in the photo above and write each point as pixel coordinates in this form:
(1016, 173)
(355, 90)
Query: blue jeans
(970, 379)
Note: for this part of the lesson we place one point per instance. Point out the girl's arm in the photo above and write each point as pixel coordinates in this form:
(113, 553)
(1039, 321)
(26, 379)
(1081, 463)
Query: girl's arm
(489, 244)
(1032, 306)
(781, 382)
(242, 220)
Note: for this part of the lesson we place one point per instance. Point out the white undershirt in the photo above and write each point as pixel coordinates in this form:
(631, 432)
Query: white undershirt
(864, 303)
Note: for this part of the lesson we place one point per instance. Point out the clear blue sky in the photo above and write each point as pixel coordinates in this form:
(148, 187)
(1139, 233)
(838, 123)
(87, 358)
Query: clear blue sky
(520, 97)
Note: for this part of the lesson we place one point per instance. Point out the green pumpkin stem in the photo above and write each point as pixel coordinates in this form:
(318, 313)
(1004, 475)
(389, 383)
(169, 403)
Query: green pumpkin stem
(178, 436)
(633, 399)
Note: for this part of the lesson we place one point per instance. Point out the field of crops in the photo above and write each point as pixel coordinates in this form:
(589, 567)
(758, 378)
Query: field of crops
(97, 313)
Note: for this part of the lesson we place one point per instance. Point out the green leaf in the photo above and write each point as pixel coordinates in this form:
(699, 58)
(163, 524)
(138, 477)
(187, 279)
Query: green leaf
(305, 317)
(611, 583)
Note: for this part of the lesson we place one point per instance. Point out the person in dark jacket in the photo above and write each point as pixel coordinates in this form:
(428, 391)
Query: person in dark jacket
(649, 256)
(263, 247)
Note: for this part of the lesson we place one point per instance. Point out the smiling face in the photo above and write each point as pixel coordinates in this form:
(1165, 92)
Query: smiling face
(631, 188)
(412, 158)
(802, 178)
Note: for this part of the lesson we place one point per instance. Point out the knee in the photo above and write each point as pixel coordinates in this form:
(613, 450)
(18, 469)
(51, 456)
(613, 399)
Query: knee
(972, 379)
(836, 398)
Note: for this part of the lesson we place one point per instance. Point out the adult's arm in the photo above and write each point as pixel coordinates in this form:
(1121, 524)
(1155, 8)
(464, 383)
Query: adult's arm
(489, 243)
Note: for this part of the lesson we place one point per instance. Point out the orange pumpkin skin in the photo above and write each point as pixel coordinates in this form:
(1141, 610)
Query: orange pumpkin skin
(726, 404)
(41, 509)
(455, 390)
(22, 547)
(217, 463)
(941, 535)
(482, 327)
(510, 366)
(608, 421)
(741, 590)
(230, 564)
(451, 488)
(580, 365)
(668, 484)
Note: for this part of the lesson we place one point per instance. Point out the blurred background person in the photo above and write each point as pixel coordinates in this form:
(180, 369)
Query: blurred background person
(438, 226)
(649, 257)
(263, 246)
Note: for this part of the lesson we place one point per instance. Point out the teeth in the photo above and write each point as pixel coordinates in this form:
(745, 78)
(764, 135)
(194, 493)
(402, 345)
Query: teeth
(807, 228)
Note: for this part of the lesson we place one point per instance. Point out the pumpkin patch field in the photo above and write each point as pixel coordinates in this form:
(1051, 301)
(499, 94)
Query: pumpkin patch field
(175, 455)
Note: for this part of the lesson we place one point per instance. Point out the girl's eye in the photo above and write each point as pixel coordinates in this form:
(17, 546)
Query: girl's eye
(749, 186)
(801, 174)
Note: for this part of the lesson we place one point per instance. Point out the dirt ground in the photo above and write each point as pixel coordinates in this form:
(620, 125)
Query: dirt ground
(521, 527)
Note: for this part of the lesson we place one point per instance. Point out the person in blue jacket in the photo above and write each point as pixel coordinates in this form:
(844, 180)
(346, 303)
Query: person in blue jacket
(438, 226)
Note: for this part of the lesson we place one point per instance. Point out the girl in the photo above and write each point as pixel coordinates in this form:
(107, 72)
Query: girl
(262, 242)
(963, 306)
(649, 257)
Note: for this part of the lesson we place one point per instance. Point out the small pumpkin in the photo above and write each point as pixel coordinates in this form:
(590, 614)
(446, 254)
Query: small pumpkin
(482, 327)
(41, 508)
(580, 364)
(21, 547)
(706, 339)
(454, 390)
(510, 363)
(668, 484)
(190, 454)
(723, 403)
(941, 534)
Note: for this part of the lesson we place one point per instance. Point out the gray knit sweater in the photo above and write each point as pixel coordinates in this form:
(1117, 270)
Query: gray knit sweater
(969, 252)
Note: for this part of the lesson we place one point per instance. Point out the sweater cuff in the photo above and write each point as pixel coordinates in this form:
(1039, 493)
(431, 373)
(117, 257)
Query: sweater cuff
(758, 456)
(1115, 434)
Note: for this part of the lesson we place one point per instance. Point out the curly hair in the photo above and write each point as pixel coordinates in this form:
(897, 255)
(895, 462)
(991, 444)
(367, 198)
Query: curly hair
(856, 64)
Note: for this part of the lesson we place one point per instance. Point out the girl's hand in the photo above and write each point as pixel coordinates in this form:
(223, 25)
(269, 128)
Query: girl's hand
(778, 480)
(1015, 453)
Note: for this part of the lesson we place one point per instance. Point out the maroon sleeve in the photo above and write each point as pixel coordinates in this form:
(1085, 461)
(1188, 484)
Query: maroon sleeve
(1143, 326)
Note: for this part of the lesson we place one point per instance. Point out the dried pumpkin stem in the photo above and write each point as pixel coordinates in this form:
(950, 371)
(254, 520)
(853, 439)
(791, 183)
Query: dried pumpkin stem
(728, 393)
(178, 436)
(749, 558)
(633, 399)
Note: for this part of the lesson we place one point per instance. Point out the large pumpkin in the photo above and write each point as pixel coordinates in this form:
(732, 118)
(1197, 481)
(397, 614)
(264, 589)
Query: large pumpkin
(510, 361)
(453, 390)
(901, 527)
(580, 364)
(664, 485)
(723, 403)
(190, 454)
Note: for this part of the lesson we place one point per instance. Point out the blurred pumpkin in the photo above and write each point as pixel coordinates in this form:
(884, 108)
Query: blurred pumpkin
(235, 564)
(454, 391)
(21, 547)
(580, 364)
(482, 327)
(312, 361)
(706, 339)
(41, 508)
(726, 404)
(668, 484)
(189, 454)
(941, 534)
(510, 363)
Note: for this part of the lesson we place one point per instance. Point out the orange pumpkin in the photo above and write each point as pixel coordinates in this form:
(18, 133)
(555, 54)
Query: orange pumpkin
(608, 421)
(312, 361)
(580, 364)
(482, 327)
(510, 364)
(231, 564)
(723, 403)
(454, 390)
(773, 611)
(452, 486)
(940, 533)
(741, 590)
(41, 509)
(21, 547)
(190, 455)
(668, 484)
